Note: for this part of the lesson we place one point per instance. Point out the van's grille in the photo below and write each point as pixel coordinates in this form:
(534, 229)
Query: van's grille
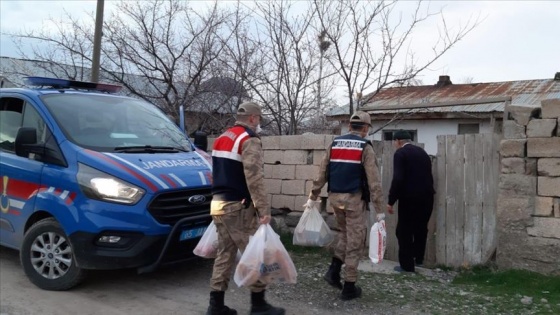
(170, 207)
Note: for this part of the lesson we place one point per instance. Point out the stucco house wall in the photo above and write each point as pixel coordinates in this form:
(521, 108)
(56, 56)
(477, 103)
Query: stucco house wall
(427, 130)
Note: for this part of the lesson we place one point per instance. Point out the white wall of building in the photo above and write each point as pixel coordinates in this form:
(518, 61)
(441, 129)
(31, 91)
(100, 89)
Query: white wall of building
(427, 130)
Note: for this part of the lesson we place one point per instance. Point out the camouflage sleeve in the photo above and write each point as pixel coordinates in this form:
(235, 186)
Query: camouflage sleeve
(374, 179)
(321, 179)
(253, 167)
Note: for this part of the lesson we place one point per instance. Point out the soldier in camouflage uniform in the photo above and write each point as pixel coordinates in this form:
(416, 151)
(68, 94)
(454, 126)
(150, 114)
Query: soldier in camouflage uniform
(350, 169)
(238, 196)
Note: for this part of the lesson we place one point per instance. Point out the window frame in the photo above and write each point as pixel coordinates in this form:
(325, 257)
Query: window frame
(47, 139)
(467, 126)
(385, 132)
(5, 104)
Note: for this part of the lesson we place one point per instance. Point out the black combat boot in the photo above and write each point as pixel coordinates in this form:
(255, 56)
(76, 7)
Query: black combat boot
(217, 306)
(350, 291)
(333, 274)
(260, 307)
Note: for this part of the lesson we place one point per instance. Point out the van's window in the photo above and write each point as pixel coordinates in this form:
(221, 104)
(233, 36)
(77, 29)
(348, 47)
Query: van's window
(11, 113)
(32, 119)
(104, 122)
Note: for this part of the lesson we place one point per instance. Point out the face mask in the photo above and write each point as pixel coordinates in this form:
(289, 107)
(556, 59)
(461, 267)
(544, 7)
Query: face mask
(258, 129)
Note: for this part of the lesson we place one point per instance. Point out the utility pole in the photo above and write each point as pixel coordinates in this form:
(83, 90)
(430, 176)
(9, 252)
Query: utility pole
(97, 41)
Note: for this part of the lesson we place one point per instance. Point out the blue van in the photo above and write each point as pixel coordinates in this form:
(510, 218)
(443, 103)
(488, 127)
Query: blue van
(94, 180)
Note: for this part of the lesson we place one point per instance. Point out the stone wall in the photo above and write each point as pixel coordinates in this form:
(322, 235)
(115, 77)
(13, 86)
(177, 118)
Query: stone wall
(529, 191)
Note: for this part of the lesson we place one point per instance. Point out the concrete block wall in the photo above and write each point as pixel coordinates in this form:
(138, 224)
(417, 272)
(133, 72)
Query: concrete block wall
(290, 165)
(528, 206)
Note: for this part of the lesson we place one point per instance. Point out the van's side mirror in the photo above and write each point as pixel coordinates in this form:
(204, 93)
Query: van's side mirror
(26, 142)
(201, 140)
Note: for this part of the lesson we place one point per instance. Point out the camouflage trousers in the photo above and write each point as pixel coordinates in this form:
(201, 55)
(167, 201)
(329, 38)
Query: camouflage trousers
(234, 228)
(350, 213)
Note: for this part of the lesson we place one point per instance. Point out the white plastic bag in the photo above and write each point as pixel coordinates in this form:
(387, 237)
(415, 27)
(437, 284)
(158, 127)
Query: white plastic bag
(265, 259)
(207, 247)
(377, 242)
(312, 230)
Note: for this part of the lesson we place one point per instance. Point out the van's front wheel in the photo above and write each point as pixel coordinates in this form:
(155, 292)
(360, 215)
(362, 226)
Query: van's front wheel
(47, 257)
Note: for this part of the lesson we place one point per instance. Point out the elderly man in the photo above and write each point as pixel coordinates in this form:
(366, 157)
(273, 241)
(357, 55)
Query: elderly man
(413, 188)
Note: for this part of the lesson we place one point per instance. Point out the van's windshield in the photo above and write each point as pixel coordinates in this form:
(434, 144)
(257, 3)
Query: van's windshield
(113, 123)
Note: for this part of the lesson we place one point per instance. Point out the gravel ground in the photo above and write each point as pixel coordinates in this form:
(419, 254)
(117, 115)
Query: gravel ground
(183, 289)
(429, 291)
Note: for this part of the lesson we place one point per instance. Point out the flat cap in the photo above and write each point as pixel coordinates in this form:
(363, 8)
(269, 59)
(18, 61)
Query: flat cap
(361, 118)
(249, 108)
(402, 135)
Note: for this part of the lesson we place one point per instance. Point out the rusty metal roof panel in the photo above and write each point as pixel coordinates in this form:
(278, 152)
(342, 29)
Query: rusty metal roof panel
(533, 99)
(529, 92)
(483, 108)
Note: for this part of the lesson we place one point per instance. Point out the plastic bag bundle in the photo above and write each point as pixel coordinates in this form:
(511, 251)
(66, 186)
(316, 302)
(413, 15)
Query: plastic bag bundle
(207, 247)
(377, 242)
(265, 259)
(312, 230)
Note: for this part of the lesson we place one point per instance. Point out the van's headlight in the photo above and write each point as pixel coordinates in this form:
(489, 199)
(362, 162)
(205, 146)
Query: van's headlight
(102, 186)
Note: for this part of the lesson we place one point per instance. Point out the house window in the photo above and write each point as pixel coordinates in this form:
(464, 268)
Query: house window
(388, 134)
(465, 129)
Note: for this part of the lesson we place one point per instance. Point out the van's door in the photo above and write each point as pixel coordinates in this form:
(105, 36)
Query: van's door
(20, 177)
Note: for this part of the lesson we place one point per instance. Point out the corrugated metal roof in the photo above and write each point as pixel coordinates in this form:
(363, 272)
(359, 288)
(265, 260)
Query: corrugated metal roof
(390, 100)
(483, 108)
(529, 92)
(533, 99)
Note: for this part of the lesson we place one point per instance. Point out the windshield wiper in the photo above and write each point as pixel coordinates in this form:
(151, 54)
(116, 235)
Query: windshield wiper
(149, 149)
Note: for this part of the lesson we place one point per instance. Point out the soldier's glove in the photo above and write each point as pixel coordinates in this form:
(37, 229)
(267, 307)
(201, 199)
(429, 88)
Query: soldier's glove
(380, 216)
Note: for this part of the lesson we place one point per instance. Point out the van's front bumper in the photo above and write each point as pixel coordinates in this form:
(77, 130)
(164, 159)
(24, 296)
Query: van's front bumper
(136, 250)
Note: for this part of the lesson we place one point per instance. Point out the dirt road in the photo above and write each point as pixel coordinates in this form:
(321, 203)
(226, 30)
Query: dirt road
(182, 289)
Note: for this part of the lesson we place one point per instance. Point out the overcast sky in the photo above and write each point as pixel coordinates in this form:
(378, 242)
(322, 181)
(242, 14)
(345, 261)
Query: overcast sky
(517, 40)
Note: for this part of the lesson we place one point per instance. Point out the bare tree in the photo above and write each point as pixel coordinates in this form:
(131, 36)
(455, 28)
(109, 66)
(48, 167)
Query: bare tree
(210, 60)
(166, 42)
(324, 45)
(371, 41)
(467, 80)
(286, 79)
(57, 59)
(241, 59)
(160, 51)
(274, 55)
